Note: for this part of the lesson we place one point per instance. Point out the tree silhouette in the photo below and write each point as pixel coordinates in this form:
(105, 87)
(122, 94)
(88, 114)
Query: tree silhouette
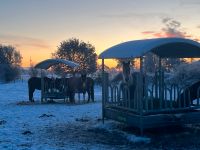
(78, 51)
(9, 55)
(10, 61)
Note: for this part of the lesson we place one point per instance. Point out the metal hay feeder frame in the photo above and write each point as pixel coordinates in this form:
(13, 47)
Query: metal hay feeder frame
(144, 112)
(51, 92)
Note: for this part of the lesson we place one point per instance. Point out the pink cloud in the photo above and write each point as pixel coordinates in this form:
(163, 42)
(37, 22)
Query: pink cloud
(158, 34)
(172, 28)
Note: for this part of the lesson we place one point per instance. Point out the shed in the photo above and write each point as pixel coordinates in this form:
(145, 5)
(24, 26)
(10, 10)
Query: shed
(155, 104)
(50, 62)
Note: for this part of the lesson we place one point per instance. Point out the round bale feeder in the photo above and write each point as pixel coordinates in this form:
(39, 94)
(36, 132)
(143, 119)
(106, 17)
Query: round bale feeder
(49, 90)
(154, 104)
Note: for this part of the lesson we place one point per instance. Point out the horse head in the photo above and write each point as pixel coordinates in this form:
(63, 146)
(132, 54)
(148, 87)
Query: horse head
(126, 71)
(83, 77)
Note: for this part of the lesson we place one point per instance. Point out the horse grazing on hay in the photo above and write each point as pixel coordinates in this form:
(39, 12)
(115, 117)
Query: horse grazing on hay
(81, 84)
(74, 85)
(35, 83)
(189, 94)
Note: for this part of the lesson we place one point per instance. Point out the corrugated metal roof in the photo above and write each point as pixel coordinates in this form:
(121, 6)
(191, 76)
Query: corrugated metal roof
(163, 47)
(50, 62)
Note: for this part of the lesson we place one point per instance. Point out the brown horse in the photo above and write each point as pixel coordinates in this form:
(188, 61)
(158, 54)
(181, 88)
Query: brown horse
(35, 83)
(74, 85)
(81, 84)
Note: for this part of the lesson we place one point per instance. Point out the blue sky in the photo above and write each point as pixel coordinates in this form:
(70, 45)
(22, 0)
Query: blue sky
(36, 27)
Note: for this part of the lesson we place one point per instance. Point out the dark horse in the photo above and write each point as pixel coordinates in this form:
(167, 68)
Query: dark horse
(74, 85)
(190, 94)
(126, 79)
(81, 84)
(35, 83)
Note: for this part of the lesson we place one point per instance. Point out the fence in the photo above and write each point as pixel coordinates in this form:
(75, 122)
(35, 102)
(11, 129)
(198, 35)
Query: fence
(149, 96)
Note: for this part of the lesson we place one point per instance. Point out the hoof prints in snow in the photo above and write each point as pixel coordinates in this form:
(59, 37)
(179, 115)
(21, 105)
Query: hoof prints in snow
(2, 122)
(82, 119)
(25, 145)
(27, 132)
(46, 115)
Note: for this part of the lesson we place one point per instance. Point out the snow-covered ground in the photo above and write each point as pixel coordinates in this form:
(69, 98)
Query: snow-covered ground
(57, 126)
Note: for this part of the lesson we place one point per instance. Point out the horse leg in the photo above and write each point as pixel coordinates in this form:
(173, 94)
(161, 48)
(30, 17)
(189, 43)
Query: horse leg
(83, 96)
(79, 97)
(31, 91)
(92, 93)
(89, 95)
(71, 97)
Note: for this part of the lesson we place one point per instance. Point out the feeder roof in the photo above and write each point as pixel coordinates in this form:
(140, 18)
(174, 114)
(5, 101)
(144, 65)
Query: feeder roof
(163, 47)
(50, 62)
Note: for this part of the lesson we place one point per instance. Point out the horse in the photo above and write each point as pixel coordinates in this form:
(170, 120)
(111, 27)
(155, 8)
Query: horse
(189, 94)
(127, 81)
(35, 83)
(74, 85)
(81, 84)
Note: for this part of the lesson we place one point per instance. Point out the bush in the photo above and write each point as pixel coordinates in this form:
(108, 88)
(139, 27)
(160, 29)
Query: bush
(10, 62)
(187, 73)
(9, 73)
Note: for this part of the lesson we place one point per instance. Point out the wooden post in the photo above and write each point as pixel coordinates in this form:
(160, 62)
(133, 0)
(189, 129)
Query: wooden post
(42, 86)
(140, 92)
(160, 83)
(141, 64)
(156, 84)
(103, 90)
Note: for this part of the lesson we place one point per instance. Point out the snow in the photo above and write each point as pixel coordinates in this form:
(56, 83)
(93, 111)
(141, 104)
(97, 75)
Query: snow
(25, 125)
(160, 46)
(50, 62)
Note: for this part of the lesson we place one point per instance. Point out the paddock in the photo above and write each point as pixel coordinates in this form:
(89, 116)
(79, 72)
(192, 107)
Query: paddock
(155, 103)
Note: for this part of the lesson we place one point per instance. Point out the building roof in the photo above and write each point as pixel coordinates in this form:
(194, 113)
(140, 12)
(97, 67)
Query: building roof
(163, 47)
(50, 62)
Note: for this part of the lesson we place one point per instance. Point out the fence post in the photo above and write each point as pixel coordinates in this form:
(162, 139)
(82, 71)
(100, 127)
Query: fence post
(42, 87)
(140, 94)
(103, 90)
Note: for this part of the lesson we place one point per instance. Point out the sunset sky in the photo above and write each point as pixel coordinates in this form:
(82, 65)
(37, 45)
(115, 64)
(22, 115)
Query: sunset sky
(36, 27)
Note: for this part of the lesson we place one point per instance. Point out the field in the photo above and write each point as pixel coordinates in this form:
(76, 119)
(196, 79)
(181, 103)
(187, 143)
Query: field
(26, 125)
